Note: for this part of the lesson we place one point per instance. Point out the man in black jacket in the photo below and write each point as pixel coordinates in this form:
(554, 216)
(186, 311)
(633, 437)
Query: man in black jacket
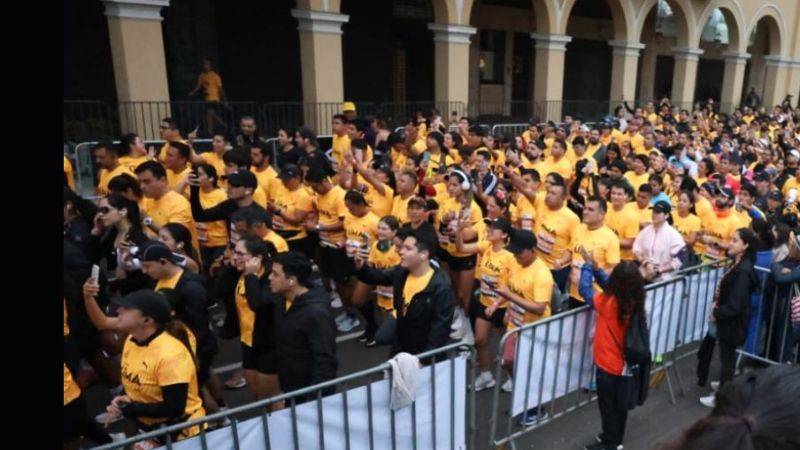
(305, 334)
(423, 296)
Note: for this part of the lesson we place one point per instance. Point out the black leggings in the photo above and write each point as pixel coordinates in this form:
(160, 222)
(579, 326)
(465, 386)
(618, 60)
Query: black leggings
(727, 356)
(612, 417)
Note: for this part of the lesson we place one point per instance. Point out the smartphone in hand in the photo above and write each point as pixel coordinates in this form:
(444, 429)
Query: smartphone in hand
(95, 272)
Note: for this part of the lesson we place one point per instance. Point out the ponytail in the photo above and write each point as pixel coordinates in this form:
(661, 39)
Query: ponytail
(180, 331)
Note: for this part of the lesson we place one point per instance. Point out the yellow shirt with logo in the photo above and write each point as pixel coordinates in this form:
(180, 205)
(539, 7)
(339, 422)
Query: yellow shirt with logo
(105, 176)
(533, 283)
(170, 208)
(384, 260)
(452, 206)
(360, 233)
(265, 177)
(491, 270)
(625, 224)
(721, 230)
(163, 361)
(413, 286)
(526, 213)
(554, 230)
(687, 225)
(212, 234)
(247, 317)
(602, 244)
(400, 209)
(289, 202)
(331, 210)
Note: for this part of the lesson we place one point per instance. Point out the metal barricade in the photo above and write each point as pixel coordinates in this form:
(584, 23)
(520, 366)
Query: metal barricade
(340, 414)
(772, 337)
(85, 173)
(510, 129)
(552, 366)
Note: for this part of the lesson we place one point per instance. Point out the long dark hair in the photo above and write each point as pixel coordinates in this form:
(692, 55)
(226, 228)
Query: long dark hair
(626, 284)
(182, 235)
(749, 238)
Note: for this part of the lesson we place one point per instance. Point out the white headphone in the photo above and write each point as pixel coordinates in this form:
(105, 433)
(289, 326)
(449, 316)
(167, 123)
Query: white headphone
(465, 183)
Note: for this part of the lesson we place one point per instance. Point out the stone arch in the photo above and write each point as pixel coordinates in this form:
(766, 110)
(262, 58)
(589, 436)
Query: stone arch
(546, 14)
(685, 21)
(621, 13)
(734, 19)
(775, 25)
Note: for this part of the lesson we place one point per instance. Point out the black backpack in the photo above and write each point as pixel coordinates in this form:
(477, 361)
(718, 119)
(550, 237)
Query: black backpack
(637, 342)
(633, 389)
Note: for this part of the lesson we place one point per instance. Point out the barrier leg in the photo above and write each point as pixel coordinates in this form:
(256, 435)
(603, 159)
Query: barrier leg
(677, 375)
(669, 386)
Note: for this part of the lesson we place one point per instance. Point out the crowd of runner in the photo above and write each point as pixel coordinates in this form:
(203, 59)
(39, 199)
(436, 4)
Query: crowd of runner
(439, 233)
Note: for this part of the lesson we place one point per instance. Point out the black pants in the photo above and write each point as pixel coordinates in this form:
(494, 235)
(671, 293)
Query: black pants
(611, 416)
(727, 356)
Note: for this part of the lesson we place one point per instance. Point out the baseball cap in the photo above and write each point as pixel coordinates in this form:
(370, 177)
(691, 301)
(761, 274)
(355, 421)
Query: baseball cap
(662, 207)
(711, 188)
(156, 251)
(761, 176)
(521, 240)
(242, 178)
(289, 171)
(775, 195)
(348, 106)
(502, 224)
(149, 303)
(727, 192)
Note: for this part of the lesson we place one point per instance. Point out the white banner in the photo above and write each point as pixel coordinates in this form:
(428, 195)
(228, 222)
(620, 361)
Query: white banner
(555, 357)
(446, 424)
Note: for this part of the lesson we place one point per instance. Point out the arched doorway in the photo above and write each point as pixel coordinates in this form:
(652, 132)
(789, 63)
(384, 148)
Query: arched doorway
(719, 40)
(664, 27)
(764, 43)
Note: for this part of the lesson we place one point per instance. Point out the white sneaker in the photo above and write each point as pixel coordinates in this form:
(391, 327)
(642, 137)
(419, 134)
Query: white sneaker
(484, 381)
(348, 324)
(715, 386)
(508, 386)
(336, 301)
(709, 400)
(341, 318)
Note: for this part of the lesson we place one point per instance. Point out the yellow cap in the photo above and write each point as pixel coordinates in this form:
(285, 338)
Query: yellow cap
(348, 106)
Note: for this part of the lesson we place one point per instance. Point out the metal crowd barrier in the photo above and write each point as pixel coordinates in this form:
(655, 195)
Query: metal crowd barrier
(772, 338)
(305, 426)
(553, 368)
(510, 129)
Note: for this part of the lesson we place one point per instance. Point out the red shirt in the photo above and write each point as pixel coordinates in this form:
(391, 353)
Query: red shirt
(609, 338)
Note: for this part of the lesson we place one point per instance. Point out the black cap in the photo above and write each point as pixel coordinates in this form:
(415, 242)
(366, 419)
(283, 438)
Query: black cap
(727, 192)
(289, 171)
(761, 176)
(316, 175)
(662, 207)
(502, 224)
(149, 303)
(775, 195)
(243, 178)
(711, 188)
(521, 240)
(156, 251)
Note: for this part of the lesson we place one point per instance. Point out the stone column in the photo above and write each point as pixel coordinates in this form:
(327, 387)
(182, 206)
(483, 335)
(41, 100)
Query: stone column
(548, 88)
(140, 68)
(776, 80)
(685, 76)
(321, 66)
(624, 71)
(451, 54)
(733, 81)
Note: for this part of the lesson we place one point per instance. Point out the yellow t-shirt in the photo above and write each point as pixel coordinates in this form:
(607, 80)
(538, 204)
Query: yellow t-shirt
(492, 269)
(636, 181)
(339, 146)
(169, 283)
(384, 260)
(265, 177)
(360, 233)
(602, 244)
(247, 317)
(71, 388)
(379, 204)
(162, 154)
(703, 208)
(400, 209)
(644, 215)
(164, 361)
(413, 286)
(69, 173)
(419, 146)
(561, 167)
(452, 205)
(790, 184)
(437, 161)
(132, 163)
(212, 234)
(625, 224)
(215, 160)
(331, 210)
(105, 176)
(289, 202)
(280, 243)
(721, 229)
(525, 214)
(171, 208)
(533, 283)
(211, 84)
(637, 142)
(554, 230)
(687, 225)
(174, 179)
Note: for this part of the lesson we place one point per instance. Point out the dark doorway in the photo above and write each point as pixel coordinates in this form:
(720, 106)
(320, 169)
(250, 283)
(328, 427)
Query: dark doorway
(665, 67)
(88, 69)
(521, 68)
(587, 79)
(710, 73)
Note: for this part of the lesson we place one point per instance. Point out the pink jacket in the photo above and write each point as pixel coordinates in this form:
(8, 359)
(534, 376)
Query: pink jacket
(660, 246)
